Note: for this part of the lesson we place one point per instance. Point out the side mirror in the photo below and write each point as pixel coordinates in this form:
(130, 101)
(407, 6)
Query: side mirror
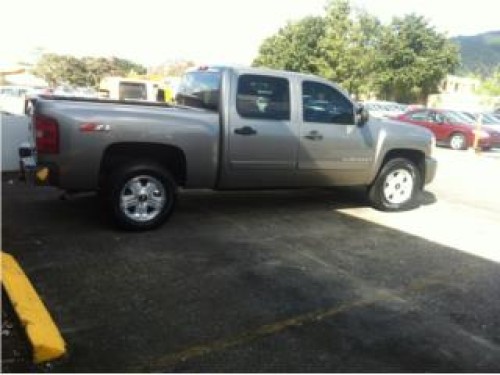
(362, 115)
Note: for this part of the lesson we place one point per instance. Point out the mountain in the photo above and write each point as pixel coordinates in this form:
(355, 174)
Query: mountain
(480, 53)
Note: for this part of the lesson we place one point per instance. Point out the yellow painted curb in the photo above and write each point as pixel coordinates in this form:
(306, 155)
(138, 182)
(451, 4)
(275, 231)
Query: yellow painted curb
(41, 330)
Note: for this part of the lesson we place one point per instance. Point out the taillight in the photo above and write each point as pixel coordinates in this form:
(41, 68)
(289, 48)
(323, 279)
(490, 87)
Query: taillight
(47, 134)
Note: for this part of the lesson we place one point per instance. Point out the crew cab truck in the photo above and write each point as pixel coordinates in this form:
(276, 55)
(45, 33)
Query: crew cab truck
(233, 128)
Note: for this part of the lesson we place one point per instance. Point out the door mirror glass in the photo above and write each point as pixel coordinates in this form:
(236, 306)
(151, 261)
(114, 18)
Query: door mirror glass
(362, 115)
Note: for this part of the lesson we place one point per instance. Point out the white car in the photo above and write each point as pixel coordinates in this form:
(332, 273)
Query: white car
(382, 109)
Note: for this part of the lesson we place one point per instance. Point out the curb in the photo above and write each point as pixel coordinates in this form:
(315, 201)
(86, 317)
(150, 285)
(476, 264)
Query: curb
(43, 334)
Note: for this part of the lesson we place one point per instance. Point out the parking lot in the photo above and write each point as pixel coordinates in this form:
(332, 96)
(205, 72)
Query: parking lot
(275, 281)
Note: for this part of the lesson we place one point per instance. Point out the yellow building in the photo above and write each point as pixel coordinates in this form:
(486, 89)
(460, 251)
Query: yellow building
(459, 85)
(461, 93)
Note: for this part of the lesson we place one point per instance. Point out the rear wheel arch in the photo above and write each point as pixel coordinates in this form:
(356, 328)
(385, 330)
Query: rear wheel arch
(170, 157)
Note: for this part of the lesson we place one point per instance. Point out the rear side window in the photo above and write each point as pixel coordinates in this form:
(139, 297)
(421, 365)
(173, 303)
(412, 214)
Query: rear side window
(263, 97)
(200, 89)
(133, 91)
(324, 104)
(436, 117)
(419, 116)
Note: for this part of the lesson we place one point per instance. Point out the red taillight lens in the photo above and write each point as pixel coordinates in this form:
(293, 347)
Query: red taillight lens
(47, 135)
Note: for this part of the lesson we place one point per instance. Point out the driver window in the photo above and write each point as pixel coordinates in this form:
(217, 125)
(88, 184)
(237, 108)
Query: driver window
(324, 104)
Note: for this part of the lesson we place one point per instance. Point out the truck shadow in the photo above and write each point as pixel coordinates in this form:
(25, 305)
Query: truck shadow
(48, 209)
(273, 281)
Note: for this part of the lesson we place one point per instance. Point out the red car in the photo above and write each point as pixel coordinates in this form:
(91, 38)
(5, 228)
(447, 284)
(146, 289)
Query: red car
(451, 128)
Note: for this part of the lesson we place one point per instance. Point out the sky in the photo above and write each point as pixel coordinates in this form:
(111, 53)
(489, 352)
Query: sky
(151, 32)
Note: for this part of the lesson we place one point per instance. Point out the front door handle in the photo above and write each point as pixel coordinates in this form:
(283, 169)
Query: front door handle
(314, 136)
(246, 130)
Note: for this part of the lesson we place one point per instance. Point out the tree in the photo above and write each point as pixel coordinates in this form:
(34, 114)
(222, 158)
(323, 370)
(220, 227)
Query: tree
(349, 47)
(171, 68)
(49, 67)
(413, 59)
(85, 71)
(294, 47)
(124, 66)
(404, 61)
(178, 68)
(491, 86)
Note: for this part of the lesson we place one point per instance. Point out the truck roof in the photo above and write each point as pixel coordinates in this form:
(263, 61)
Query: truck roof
(265, 71)
(249, 69)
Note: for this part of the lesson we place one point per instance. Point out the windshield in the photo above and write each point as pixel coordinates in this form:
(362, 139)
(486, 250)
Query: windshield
(458, 117)
(490, 120)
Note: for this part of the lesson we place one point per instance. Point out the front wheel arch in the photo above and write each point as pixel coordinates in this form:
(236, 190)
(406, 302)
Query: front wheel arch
(395, 172)
(417, 157)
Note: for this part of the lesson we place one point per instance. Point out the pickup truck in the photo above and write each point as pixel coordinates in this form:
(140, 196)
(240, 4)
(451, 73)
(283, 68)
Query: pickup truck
(232, 128)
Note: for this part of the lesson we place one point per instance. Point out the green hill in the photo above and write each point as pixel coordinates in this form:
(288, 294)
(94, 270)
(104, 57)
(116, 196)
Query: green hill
(480, 53)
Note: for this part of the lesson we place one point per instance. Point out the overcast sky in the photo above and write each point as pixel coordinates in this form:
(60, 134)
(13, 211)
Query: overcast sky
(206, 31)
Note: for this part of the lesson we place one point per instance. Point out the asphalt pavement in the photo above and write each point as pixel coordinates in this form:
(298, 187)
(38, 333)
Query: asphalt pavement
(274, 281)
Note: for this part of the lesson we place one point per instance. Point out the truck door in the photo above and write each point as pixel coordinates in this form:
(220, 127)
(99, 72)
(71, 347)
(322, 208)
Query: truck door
(333, 149)
(262, 141)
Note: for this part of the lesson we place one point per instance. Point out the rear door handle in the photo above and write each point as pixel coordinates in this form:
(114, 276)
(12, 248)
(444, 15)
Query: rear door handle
(246, 130)
(314, 136)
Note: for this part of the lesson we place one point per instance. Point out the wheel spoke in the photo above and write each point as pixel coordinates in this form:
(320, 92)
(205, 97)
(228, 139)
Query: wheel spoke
(150, 188)
(142, 209)
(136, 187)
(155, 202)
(129, 201)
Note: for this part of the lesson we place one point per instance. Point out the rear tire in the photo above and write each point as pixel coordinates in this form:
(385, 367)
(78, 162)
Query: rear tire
(458, 141)
(140, 196)
(397, 186)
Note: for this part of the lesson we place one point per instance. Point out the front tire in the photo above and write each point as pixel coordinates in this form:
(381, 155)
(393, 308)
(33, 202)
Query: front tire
(140, 196)
(396, 187)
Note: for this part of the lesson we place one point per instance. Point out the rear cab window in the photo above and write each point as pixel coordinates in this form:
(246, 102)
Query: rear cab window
(263, 97)
(200, 89)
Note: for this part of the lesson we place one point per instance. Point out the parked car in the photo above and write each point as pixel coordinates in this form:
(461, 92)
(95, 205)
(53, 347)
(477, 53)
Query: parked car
(451, 128)
(488, 119)
(235, 128)
(382, 109)
(14, 91)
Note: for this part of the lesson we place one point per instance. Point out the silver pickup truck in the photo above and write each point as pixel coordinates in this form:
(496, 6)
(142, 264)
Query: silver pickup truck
(232, 128)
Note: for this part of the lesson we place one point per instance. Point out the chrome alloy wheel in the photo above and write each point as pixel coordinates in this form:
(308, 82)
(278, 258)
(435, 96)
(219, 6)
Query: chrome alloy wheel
(398, 186)
(457, 142)
(142, 198)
